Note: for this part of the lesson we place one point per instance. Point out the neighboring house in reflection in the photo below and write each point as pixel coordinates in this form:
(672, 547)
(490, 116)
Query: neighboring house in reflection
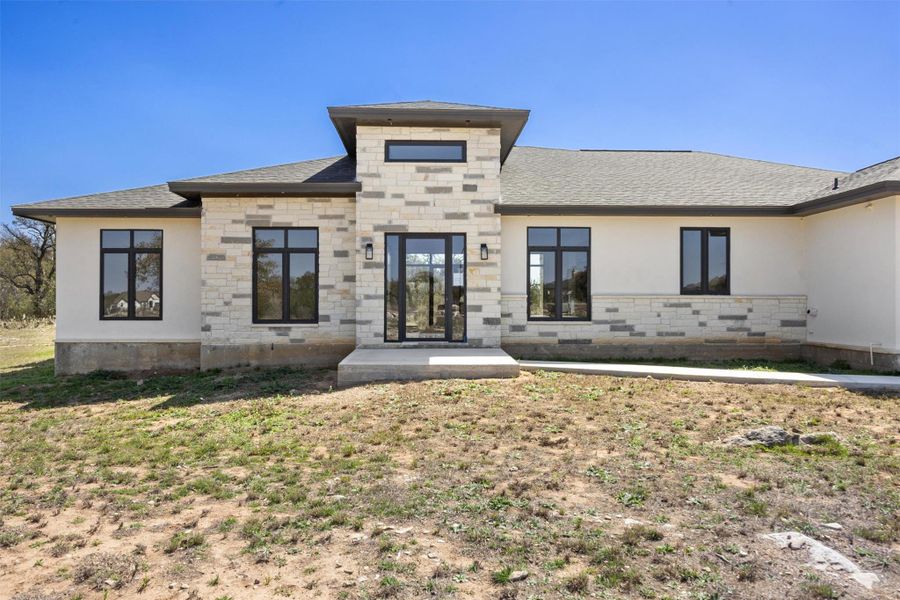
(544, 252)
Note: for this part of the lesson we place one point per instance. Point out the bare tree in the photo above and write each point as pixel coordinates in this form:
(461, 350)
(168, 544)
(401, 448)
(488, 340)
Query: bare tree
(28, 260)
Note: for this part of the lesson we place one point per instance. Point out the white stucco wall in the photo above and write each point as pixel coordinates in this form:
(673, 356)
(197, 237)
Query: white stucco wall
(78, 282)
(853, 257)
(640, 255)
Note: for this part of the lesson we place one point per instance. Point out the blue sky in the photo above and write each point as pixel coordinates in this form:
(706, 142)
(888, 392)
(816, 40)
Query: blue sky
(103, 96)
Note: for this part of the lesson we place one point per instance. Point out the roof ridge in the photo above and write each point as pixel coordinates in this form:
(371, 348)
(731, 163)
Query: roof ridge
(875, 165)
(627, 150)
(164, 186)
(394, 102)
(293, 162)
(769, 162)
(759, 160)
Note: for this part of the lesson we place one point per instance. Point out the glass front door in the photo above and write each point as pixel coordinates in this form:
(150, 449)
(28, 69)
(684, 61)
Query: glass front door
(425, 287)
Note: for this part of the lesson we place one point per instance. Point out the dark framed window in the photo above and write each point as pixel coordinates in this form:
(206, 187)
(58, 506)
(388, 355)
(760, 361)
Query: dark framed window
(424, 151)
(559, 274)
(425, 287)
(131, 274)
(705, 260)
(285, 275)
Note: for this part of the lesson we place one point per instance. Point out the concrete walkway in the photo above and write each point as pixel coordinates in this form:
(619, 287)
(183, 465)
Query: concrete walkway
(882, 383)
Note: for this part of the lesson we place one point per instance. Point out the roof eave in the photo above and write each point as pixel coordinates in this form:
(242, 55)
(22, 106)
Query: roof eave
(195, 190)
(49, 215)
(869, 193)
(641, 211)
(866, 193)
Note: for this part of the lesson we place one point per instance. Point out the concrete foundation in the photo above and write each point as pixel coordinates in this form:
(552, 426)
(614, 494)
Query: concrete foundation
(85, 357)
(407, 364)
(213, 356)
(708, 351)
(856, 358)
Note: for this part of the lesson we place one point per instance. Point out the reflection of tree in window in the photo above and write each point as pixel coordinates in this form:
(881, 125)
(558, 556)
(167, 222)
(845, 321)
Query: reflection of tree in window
(268, 286)
(558, 277)
(704, 260)
(303, 286)
(286, 279)
(146, 284)
(131, 272)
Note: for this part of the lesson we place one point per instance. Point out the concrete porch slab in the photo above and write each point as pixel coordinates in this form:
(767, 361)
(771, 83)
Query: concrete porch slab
(407, 364)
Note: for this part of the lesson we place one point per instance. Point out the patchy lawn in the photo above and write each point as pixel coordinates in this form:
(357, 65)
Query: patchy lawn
(266, 484)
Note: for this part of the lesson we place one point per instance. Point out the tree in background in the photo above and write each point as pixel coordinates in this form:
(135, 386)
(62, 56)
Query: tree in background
(27, 269)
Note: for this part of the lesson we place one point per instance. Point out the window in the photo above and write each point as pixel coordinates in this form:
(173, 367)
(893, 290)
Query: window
(285, 275)
(559, 273)
(131, 274)
(705, 260)
(405, 151)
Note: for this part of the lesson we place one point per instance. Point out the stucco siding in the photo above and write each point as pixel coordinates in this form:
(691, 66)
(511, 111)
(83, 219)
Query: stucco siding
(852, 265)
(640, 255)
(78, 282)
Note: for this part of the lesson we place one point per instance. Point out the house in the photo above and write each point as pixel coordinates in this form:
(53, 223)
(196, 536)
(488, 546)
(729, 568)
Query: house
(437, 230)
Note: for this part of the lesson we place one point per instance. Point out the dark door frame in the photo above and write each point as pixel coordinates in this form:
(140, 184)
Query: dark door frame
(448, 285)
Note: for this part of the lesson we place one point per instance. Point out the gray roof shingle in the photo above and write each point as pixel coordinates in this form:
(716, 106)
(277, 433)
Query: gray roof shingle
(555, 177)
(425, 104)
(888, 170)
(549, 176)
(150, 197)
(335, 169)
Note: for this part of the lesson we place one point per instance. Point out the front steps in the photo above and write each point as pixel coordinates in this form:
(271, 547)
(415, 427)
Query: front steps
(408, 364)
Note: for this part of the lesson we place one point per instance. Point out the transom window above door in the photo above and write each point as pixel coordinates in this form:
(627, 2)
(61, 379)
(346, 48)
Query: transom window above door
(559, 287)
(424, 151)
(285, 275)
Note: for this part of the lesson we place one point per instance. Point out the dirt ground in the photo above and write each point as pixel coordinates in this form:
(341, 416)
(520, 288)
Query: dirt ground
(267, 484)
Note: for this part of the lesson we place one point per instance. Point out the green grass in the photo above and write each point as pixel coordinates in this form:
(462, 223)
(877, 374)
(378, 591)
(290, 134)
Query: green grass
(786, 366)
(294, 470)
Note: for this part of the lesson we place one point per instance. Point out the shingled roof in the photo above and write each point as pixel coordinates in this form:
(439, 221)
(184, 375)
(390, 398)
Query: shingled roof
(336, 169)
(181, 198)
(883, 172)
(154, 200)
(537, 181)
(561, 179)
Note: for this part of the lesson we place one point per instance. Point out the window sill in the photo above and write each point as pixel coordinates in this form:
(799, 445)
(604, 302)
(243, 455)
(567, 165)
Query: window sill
(706, 294)
(574, 321)
(278, 324)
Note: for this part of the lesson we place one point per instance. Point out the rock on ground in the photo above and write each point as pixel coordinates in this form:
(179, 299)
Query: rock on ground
(771, 435)
(822, 557)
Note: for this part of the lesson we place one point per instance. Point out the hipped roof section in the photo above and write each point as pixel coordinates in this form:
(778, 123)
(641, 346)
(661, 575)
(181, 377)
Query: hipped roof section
(535, 181)
(428, 113)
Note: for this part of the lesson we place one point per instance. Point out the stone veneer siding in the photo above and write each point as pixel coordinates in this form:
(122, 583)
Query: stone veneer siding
(653, 320)
(228, 335)
(432, 198)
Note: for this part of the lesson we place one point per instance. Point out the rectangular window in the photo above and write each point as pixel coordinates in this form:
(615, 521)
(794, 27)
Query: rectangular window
(285, 275)
(705, 260)
(131, 274)
(559, 267)
(410, 151)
